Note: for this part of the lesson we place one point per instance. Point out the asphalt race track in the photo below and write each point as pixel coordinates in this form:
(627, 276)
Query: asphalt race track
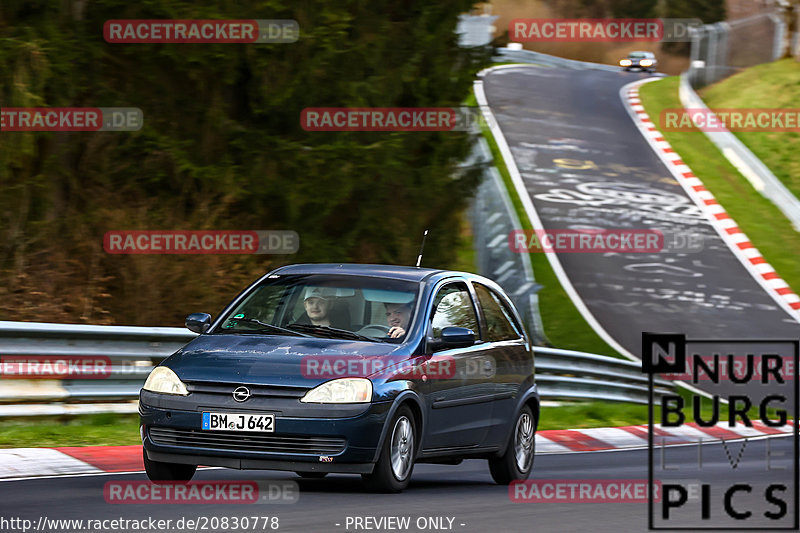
(585, 165)
(464, 493)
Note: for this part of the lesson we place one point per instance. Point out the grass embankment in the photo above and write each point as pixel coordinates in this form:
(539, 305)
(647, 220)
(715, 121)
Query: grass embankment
(616, 414)
(83, 430)
(771, 85)
(123, 429)
(768, 229)
(593, 415)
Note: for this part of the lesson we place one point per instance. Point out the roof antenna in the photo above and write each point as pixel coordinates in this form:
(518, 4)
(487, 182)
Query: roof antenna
(421, 248)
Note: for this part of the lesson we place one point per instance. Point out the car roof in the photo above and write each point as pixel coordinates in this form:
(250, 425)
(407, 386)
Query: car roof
(402, 273)
(407, 273)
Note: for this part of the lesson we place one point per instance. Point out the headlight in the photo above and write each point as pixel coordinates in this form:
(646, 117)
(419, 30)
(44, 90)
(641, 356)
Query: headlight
(625, 62)
(165, 381)
(646, 62)
(344, 390)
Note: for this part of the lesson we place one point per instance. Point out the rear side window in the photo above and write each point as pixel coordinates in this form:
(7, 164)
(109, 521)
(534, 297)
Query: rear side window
(453, 307)
(500, 325)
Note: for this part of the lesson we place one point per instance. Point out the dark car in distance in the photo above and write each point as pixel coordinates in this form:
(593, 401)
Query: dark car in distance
(362, 369)
(644, 61)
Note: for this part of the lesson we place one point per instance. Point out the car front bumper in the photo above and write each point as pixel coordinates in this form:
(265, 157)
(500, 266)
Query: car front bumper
(329, 438)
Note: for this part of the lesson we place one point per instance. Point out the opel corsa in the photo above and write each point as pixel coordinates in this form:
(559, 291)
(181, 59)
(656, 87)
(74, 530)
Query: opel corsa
(362, 369)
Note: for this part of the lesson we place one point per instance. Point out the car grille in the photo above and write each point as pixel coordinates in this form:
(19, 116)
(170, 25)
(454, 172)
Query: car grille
(257, 391)
(234, 440)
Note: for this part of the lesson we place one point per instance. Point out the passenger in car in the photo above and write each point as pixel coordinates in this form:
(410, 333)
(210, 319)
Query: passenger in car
(397, 316)
(319, 305)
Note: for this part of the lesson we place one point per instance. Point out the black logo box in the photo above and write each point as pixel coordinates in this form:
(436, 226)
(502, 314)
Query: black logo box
(678, 365)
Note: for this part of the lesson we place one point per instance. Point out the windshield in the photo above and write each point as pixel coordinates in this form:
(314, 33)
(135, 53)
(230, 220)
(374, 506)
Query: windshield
(638, 55)
(326, 306)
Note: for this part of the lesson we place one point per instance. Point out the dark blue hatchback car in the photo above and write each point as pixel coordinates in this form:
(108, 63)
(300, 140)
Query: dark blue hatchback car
(364, 369)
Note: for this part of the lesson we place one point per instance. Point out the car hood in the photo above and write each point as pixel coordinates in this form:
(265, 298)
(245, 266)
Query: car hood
(271, 359)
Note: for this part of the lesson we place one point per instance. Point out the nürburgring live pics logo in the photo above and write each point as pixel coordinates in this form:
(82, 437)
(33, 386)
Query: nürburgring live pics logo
(744, 485)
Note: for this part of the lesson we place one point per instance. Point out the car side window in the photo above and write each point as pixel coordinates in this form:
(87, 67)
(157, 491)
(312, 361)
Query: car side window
(500, 324)
(453, 307)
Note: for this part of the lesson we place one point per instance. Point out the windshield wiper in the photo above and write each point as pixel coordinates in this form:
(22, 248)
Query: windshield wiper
(341, 332)
(266, 325)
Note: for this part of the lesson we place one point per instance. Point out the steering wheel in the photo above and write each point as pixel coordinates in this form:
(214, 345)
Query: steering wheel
(370, 330)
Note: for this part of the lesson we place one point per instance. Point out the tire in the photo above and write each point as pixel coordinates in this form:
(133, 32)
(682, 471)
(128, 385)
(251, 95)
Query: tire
(312, 475)
(396, 461)
(516, 462)
(158, 471)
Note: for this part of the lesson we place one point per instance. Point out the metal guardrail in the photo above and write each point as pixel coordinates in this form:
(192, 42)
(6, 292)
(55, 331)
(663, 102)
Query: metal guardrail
(529, 56)
(745, 161)
(492, 217)
(570, 375)
(133, 351)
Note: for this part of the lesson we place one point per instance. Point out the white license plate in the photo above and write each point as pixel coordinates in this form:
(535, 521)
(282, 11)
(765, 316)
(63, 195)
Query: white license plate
(238, 422)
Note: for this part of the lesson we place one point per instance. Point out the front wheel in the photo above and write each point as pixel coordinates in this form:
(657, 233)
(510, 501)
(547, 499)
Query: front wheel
(396, 461)
(517, 461)
(158, 471)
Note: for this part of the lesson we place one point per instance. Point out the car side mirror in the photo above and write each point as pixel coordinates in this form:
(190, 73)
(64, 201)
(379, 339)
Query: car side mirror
(454, 337)
(198, 322)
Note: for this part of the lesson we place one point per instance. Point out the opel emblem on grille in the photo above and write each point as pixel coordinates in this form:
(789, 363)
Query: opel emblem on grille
(241, 394)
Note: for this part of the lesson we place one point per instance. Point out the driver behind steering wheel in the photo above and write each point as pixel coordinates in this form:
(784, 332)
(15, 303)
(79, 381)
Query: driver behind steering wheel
(397, 316)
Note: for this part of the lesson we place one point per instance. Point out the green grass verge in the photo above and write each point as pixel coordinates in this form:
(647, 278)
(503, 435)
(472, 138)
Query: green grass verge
(771, 85)
(764, 224)
(83, 430)
(564, 326)
(616, 414)
(593, 415)
(466, 255)
(122, 430)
